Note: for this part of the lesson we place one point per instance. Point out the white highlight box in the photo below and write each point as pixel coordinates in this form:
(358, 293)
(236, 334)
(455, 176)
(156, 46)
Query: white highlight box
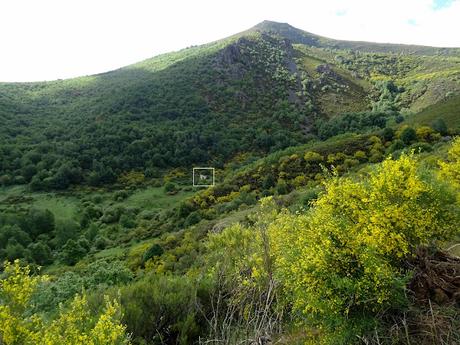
(203, 177)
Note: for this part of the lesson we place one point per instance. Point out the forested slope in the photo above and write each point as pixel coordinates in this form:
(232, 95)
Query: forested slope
(256, 92)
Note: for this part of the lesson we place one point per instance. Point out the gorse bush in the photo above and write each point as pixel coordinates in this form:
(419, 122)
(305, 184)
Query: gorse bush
(75, 324)
(342, 259)
(340, 263)
(451, 169)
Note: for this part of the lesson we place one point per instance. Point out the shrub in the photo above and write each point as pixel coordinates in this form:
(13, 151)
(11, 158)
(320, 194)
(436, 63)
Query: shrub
(39, 222)
(408, 135)
(310, 196)
(421, 147)
(172, 303)
(282, 187)
(40, 253)
(65, 230)
(388, 134)
(72, 252)
(451, 169)
(170, 188)
(192, 218)
(425, 133)
(100, 242)
(340, 263)
(395, 146)
(5, 180)
(153, 251)
(120, 195)
(399, 118)
(73, 325)
(127, 221)
(360, 155)
(112, 214)
(440, 126)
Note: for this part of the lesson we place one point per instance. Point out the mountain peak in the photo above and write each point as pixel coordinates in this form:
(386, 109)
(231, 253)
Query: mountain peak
(288, 31)
(270, 25)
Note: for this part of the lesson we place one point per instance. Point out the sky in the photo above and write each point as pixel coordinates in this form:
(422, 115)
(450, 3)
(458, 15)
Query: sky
(57, 39)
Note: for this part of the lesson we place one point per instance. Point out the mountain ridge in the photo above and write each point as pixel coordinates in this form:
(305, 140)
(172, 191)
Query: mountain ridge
(254, 93)
(301, 36)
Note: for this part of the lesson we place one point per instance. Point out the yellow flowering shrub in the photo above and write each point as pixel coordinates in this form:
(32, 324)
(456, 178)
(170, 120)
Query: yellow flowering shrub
(341, 260)
(74, 325)
(132, 178)
(425, 133)
(77, 326)
(451, 169)
(16, 288)
(240, 262)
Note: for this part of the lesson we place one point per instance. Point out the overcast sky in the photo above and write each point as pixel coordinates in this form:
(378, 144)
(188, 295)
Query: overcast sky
(51, 39)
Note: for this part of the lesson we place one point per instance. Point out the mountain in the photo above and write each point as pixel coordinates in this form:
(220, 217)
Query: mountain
(302, 37)
(256, 92)
(330, 217)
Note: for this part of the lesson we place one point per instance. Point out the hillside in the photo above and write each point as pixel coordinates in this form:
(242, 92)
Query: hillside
(256, 92)
(333, 217)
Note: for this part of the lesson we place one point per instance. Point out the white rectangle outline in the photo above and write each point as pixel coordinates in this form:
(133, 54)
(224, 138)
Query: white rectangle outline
(204, 185)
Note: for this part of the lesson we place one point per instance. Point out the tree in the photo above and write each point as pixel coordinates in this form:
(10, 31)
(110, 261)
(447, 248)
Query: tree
(40, 222)
(408, 135)
(439, 125)
(72, 252)
(40, 253)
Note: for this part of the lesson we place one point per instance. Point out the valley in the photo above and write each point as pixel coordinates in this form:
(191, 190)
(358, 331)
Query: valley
(334, 218)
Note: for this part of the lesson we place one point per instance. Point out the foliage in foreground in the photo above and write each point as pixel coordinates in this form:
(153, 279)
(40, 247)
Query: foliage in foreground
(451, 169)
(74, 325)
(341, 264)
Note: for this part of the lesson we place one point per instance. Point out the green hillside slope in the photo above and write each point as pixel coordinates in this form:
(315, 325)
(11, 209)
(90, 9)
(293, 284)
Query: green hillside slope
(256, 92)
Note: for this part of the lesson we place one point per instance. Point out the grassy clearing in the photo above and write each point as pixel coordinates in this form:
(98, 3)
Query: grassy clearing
(63, 207)
(448, 110)
(155, 198)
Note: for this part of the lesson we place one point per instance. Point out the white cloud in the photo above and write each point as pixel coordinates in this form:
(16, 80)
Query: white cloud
(51, 39)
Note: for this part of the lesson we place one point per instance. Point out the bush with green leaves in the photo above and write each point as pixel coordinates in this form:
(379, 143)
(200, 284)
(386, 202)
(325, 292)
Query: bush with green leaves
(439, 125)
(170, 187)
(98, 275)
(73, 251)
(154, 251)
(408, 135)
(173, 303)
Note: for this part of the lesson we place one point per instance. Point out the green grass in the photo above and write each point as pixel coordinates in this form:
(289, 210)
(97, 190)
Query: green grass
(6, 192)
(155, 198)
(448, 110)
(111, 253)
(63, 207)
